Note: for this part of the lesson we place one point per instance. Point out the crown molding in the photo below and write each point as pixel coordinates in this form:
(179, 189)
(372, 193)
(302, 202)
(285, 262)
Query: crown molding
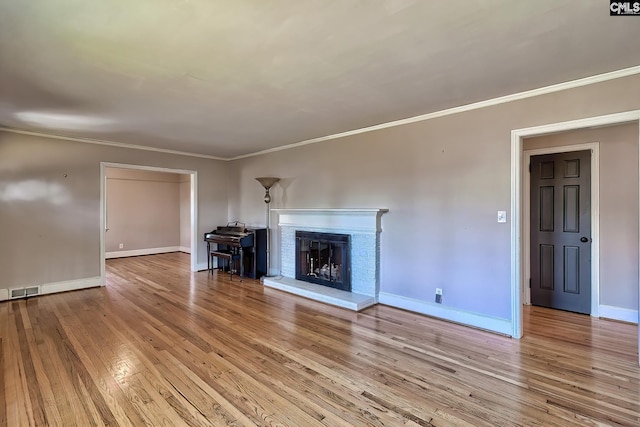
(625, 72)
(109, 143)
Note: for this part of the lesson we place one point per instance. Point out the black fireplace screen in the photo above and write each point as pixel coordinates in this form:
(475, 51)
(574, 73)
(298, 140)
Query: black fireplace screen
(324, 259)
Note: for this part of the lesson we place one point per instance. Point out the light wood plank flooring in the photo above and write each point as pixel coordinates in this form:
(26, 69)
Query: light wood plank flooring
(161, 346)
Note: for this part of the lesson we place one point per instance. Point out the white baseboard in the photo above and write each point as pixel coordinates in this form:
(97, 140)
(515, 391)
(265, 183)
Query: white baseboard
(4, 294)
(493, 324)
(138, 252)
(70, 285)
(617, 313)
(185, 249)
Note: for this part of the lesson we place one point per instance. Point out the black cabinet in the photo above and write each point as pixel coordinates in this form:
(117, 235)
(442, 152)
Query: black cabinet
(260, 252)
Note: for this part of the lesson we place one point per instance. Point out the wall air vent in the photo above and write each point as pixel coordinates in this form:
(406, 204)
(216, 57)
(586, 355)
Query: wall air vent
(30, 291)
(17, 293)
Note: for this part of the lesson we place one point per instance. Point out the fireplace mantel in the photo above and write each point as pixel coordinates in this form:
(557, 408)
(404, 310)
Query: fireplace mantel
(363, 225)
(364, 220)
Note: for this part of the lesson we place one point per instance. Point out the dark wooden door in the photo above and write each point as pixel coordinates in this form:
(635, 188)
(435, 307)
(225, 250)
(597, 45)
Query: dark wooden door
(561, 231)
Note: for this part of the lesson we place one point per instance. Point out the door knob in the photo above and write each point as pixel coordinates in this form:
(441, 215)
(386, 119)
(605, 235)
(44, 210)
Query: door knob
(584, 239)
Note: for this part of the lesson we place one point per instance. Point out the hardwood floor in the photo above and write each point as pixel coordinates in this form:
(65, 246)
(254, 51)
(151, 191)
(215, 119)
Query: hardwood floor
(161, 346)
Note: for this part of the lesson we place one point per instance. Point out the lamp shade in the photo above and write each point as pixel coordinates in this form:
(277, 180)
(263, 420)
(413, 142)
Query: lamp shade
(267, 181)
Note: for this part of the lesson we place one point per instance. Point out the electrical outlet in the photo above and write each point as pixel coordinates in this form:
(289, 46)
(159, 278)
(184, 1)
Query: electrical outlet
(439, 291)
(121, 245)
(439, 295)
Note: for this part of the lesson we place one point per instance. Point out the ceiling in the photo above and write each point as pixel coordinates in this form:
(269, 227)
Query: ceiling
(228, 78)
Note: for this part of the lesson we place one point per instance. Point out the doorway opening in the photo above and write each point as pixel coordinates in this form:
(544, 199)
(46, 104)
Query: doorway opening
(192, 209)
(558, 292)
(519, 172)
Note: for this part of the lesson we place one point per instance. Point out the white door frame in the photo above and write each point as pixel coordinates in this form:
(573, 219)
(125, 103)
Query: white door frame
(517, 191)
(595, 217)
(103, 207)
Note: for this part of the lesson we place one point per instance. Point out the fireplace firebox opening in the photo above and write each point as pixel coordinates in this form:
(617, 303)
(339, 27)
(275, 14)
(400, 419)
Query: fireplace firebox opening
(324, 259)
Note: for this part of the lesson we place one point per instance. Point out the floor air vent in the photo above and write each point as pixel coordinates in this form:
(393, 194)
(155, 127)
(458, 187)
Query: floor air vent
(31, 291)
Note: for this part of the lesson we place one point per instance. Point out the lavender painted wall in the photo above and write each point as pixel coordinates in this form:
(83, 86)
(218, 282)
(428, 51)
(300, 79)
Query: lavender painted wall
(443, 181)
(143, 209)
(50, 205)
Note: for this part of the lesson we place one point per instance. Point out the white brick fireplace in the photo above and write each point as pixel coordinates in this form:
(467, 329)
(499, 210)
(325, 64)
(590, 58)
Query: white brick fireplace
(362, 225)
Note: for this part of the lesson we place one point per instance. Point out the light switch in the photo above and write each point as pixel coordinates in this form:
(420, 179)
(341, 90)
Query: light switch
(502, 216)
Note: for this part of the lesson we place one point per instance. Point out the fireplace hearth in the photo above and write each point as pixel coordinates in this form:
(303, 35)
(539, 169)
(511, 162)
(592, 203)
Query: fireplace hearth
(324, 259)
